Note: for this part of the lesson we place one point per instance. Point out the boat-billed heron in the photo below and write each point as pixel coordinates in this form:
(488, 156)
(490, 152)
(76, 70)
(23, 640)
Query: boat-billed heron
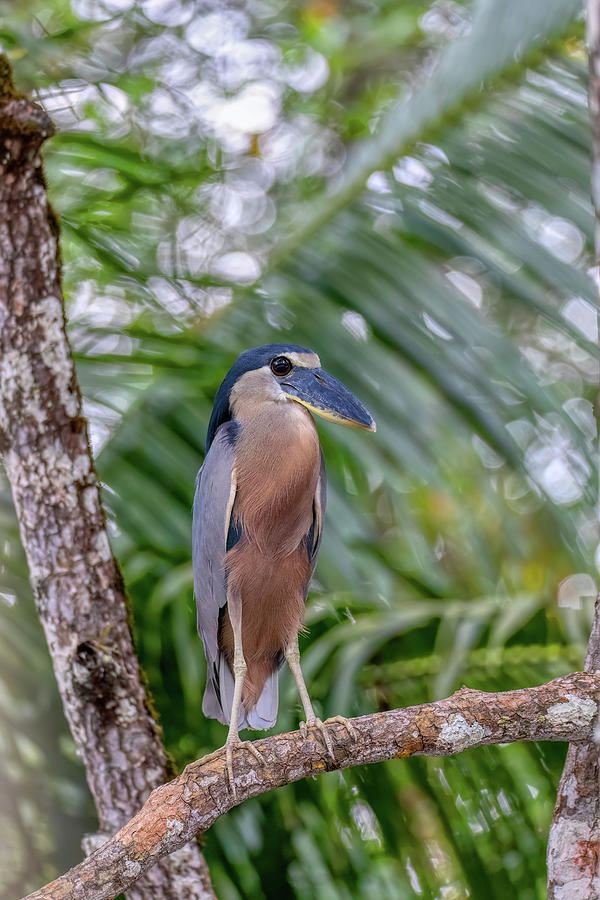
(258, 520)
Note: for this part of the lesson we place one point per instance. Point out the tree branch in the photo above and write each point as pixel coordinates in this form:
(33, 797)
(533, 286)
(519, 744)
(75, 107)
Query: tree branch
(564, 709)
(76, 581)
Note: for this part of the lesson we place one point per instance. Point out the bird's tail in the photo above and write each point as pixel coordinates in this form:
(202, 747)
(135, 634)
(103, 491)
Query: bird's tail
(218, 699)
(264, 714)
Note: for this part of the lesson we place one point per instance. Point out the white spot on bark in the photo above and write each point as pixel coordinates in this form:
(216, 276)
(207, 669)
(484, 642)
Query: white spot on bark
(245, 779)
(90, 499)
(127, 710)
(80, 673)
(58, 472)
(81, 466)
(17, 380)
(206, 782)
(576, 711)
(570, 791)
(175, 826)
(574, 890)
(564, 866)
(459, 734)
(131, 868)
(11, 463)
(102, 546)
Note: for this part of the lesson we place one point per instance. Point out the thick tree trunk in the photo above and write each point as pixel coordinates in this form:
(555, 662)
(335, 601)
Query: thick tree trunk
(76, 581)
(574, 842)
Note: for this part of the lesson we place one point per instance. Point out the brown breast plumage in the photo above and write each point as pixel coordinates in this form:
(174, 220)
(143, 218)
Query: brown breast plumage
(277, 465)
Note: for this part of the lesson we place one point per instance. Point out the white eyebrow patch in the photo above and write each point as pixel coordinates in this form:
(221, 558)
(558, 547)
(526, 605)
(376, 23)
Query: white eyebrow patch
(305, 360)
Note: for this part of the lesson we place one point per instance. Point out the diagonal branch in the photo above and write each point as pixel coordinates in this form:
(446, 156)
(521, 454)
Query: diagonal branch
(564, 709)
(76, 581)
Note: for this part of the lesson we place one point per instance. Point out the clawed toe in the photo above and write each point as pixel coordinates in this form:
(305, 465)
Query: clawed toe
(342, 720)
(255, 752)
(230, 746)
(323, 730)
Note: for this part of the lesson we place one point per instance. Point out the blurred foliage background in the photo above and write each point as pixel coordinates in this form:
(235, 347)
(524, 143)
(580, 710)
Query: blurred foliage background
(403, 187)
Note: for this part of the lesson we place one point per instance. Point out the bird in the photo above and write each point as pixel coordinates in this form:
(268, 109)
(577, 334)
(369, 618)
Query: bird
(257, 525)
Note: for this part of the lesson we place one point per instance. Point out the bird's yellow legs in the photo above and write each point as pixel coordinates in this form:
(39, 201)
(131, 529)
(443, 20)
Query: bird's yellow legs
(292, 654)
(233, 741)
(239, 673)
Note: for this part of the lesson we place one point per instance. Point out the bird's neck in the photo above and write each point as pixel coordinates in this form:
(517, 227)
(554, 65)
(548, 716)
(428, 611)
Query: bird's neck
(277, 438)
(277, 465)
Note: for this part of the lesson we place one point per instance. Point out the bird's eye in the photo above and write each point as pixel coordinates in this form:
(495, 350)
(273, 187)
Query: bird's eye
(281, 366)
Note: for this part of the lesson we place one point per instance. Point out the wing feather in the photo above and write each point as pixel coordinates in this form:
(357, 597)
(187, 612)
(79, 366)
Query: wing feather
(213, 501)
(319, 503)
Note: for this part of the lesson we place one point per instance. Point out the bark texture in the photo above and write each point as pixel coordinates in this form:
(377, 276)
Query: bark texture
(44, 441)
(563, 709)
(574, 842)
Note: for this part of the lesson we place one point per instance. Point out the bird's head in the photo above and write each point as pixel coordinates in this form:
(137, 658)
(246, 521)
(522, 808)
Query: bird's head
(286, 373)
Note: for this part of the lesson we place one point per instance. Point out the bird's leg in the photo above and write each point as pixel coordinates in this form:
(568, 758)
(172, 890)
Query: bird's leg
(239, 673)
(234, 608)
(292, 654)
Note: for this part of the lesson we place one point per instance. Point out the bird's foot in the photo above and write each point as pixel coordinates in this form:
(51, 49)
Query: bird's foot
(342, 720)
(229, 746)
(236, 743)
(322, 727)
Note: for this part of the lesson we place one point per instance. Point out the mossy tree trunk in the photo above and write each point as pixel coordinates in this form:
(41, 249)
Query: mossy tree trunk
(75, 579)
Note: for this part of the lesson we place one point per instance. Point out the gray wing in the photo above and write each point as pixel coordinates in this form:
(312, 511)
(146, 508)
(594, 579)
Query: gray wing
(318, 514)
(215, 493)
